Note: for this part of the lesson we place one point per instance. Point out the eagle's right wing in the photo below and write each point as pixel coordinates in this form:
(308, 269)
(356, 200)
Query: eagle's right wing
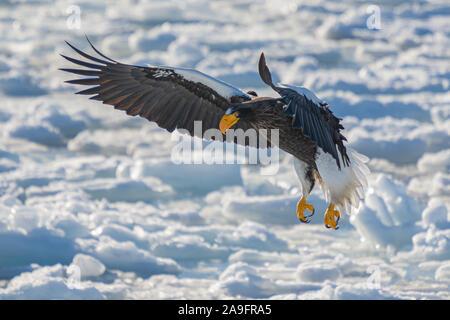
(171, 97)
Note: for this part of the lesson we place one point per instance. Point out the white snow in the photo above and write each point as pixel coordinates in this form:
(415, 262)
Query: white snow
(317, 273)
(92, 207)
(89, 266)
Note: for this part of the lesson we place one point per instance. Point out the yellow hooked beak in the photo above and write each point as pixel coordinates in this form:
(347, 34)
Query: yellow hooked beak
(228, 121)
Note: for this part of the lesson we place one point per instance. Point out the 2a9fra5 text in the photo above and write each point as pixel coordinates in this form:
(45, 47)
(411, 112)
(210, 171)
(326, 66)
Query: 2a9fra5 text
(226, 309)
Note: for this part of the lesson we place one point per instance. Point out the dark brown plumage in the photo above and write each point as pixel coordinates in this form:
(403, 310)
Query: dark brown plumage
(155, 93)
(163, 95)
(267, 113)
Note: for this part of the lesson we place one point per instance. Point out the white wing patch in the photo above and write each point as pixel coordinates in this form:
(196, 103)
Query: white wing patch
(305, 92)
(343, 187)
(222, 88)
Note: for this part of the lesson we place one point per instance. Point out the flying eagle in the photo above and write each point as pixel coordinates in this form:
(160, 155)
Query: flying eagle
(176, 97)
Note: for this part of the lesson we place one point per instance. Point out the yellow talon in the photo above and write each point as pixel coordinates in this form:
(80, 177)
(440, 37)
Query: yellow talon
(332, 217)
(301, 207)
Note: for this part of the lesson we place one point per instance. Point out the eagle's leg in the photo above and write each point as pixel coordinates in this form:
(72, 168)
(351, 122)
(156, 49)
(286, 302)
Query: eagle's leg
(301, 207)
(332, 217)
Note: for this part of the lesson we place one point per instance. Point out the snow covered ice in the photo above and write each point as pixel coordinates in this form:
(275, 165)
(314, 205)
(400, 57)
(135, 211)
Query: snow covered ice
(92, 207)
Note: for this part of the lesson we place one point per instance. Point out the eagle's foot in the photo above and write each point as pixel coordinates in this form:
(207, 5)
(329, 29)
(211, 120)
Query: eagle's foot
(301, 207)
(332, 217)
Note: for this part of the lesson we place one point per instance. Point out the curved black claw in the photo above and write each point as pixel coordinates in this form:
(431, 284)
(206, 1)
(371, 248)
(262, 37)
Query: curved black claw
(308, 216)
(337, 227)
(306, 220)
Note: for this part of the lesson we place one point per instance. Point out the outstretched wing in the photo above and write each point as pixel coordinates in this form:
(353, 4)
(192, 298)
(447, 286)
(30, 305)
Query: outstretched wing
(171, 97)
(311, 115)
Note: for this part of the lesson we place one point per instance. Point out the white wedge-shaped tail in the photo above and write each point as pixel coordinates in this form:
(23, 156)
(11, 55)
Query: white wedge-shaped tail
(344, 187)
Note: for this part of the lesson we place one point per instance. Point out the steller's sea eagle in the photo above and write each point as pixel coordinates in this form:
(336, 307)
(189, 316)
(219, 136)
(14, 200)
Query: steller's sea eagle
(176, 97)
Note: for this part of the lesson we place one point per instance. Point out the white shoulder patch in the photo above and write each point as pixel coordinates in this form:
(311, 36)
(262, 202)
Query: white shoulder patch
(305, 92)
(224, 89)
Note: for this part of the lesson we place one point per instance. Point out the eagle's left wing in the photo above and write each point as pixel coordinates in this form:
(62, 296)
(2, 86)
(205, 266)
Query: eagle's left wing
(311, 115)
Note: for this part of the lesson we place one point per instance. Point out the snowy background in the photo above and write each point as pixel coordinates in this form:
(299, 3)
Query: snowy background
(91, 205)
